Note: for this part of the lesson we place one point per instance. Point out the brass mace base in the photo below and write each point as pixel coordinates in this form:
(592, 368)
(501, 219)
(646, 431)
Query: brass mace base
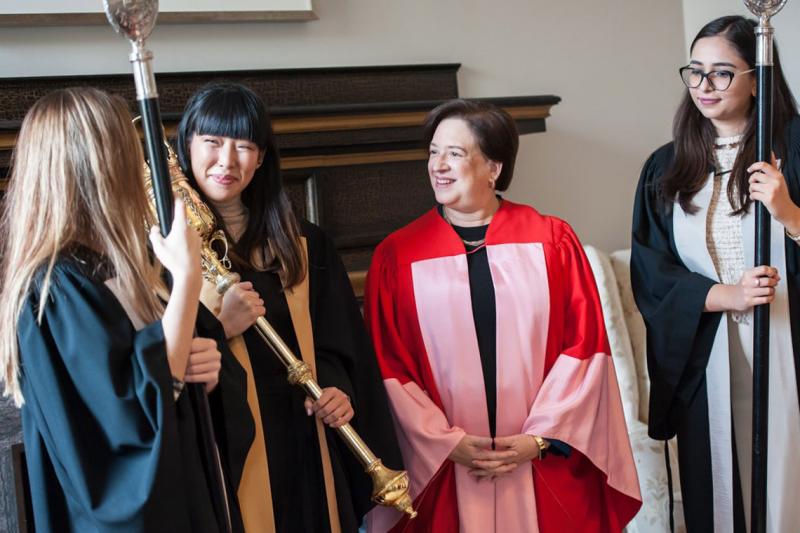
(390, 488)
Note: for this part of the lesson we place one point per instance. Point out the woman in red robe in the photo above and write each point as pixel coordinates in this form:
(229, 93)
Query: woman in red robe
(490, 338)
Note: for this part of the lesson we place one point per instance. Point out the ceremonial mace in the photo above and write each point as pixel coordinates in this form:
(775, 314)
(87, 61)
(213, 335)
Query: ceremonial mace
(135, 19)
(764, 10)
(389, 487)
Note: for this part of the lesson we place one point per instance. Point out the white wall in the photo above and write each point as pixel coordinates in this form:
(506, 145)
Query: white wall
(787, 21)
(612, 61)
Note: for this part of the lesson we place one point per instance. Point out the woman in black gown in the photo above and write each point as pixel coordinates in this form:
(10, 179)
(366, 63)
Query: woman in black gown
(88, 351)
(298, 476)
(694, 282)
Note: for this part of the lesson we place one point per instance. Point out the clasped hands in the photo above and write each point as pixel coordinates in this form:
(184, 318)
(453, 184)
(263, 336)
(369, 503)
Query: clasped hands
(484, 463)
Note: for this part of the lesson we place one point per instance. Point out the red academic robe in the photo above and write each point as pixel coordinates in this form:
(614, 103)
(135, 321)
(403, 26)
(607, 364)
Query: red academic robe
(555, 378)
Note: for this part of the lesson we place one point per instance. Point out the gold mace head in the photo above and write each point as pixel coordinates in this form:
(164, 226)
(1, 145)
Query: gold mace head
(198, 215)
(200, 218)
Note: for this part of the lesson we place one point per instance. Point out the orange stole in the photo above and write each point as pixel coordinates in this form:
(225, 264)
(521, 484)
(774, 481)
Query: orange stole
(254, 492)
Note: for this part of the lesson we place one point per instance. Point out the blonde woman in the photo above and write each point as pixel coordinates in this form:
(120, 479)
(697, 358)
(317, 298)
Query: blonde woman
(87, 349)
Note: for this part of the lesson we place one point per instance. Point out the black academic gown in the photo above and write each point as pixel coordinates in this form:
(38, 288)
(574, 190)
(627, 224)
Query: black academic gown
(344, 359)
(234, 428)
(680, 335)
(108, 448)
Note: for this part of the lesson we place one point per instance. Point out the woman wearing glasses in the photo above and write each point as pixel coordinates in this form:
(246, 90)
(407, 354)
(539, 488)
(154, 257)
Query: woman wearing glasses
(693, 280)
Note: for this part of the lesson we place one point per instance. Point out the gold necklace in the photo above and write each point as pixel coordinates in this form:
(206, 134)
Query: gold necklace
(473, 244)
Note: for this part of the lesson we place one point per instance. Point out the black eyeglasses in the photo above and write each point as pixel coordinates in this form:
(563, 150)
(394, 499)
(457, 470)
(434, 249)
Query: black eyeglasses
(719, 80)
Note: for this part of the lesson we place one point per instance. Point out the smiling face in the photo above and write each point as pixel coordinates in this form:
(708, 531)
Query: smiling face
(223, 167)
(461, 176)
(728, 110)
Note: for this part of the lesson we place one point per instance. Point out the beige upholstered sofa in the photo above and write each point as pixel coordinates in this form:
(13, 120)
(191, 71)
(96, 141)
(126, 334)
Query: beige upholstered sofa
(626, 333)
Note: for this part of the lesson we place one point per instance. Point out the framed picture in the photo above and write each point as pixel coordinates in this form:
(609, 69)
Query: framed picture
(89, 12)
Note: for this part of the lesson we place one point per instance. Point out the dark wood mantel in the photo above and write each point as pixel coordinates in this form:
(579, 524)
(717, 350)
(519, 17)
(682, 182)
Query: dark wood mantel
(350, 151)
(349, 137)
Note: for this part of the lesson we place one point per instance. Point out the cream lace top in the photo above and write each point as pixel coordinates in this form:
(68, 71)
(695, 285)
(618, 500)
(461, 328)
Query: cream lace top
(723, 231)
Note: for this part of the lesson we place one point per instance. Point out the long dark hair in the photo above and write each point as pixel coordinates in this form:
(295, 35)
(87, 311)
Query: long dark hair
(694, 134)
(272, 232)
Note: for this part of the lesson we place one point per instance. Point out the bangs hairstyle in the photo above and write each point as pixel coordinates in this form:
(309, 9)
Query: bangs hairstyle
(694, 134)
(271, 239)
(76, 181)
(227, 112)
(494, 130)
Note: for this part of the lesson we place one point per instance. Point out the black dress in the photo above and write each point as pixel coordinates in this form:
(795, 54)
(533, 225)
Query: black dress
(484, 315)
(344, 359)
(108, 449)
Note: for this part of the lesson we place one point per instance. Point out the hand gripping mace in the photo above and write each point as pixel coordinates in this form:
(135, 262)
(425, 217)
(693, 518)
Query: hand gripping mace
(764, 10)
(135, 19)
(389, 487)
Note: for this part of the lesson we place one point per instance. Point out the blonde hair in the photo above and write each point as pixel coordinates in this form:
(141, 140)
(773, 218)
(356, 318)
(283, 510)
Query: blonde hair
(76, 179)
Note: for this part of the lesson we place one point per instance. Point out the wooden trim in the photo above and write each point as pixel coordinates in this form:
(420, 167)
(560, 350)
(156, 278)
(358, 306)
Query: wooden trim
(7, 140)
(529, 112)
(357, 121)
(343, 122)
(352, 119)
(300, 72)
(335, 160)
(348, 122)
(166, 17)
(382, 120)
(358, 279)
(340, 160)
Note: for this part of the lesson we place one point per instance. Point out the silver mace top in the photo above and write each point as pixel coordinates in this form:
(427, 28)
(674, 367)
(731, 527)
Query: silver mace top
(135, 20)
(764, 9)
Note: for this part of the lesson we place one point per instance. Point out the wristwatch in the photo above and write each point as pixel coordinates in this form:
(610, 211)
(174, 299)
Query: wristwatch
(542, 444)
